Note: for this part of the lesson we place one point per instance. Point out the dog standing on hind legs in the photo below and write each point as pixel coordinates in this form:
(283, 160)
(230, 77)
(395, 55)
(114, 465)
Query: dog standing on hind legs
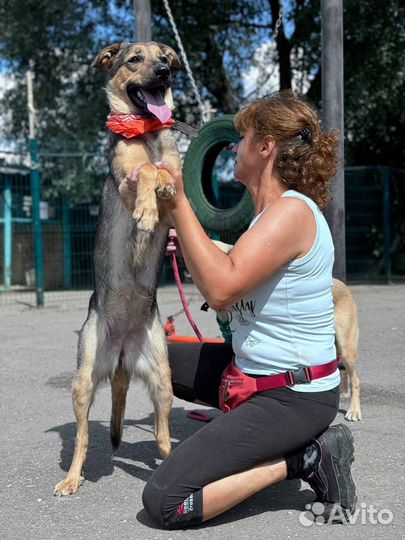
(122, 335)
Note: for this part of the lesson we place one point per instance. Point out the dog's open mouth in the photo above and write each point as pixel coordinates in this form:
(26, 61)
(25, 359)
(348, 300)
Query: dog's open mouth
(151, 99)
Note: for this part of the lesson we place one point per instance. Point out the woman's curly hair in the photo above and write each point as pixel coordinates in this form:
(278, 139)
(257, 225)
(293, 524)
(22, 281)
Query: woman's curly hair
(307, 158)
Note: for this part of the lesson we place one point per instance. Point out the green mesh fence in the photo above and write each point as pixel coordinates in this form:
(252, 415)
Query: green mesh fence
(17, 266)
(71, 184)
(375, 224)
(70, 192)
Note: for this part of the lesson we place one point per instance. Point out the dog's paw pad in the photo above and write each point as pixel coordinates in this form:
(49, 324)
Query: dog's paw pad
(165, 191)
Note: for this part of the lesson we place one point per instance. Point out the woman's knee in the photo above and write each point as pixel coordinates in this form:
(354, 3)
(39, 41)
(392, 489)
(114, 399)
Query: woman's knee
(152, 499)
(172, 512)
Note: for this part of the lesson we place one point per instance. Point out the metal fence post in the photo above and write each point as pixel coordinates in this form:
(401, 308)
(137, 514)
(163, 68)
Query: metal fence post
(8, 233)
(386, 222)
(67, 245)
(36, 223)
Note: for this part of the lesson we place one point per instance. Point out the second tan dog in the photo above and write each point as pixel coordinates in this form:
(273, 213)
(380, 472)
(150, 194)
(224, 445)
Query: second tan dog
(347, 338)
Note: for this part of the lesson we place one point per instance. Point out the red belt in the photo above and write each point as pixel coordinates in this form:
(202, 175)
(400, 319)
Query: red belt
(298, 376)
(237, 387)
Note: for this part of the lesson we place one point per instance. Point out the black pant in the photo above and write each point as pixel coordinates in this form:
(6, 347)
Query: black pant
(272, 424)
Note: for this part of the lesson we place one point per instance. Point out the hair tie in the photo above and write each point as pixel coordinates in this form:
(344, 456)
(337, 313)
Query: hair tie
(305, 133)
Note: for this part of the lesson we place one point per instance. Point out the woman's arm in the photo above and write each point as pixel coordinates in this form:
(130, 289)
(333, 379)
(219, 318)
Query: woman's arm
(260, 252)
(280, 235)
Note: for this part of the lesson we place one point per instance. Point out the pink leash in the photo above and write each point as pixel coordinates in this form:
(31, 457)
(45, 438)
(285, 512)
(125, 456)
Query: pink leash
(199, 416)
(171, 249)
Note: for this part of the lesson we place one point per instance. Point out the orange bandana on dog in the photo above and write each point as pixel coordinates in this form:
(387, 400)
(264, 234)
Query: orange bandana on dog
(131, 125)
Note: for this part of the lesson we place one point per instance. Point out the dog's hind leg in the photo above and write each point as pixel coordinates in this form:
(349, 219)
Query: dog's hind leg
(119, 388)
(347, 334)
(83, 390)
(153, 368)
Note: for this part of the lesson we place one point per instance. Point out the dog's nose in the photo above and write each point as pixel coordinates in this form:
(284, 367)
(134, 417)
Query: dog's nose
(162, 72)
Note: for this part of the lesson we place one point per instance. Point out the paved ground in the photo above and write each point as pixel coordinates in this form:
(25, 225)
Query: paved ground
(37, 361)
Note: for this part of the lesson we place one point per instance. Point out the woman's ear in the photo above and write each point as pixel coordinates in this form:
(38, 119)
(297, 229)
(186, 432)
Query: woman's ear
(266, 147)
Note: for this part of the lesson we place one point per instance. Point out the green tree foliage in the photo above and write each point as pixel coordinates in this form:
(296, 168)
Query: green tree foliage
(59, 41)
(57, 38)
(220, 37)
(374, 44)
(374, 82)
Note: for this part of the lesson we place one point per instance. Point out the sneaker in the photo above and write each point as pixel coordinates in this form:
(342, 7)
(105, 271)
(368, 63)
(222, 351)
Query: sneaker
(332, 481)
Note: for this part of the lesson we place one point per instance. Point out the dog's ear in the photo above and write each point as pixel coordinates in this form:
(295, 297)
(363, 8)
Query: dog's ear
(171, 55)
(105, 58)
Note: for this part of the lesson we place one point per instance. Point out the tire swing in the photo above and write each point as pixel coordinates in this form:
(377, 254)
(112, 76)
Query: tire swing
(198, 168)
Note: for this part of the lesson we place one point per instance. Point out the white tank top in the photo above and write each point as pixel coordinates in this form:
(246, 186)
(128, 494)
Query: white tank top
(288, 322)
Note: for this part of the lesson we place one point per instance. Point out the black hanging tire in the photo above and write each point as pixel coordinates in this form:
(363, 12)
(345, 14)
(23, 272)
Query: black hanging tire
(198, 166)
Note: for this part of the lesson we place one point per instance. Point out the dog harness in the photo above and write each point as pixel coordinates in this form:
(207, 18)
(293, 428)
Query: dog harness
(132, 125)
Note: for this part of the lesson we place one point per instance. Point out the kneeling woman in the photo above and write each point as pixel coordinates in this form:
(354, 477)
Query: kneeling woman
(276, 284)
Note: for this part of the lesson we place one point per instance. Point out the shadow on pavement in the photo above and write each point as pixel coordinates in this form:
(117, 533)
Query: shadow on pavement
(100, 459)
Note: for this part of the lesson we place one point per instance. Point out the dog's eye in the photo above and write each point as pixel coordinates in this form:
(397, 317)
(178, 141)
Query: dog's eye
(135, 59)
(163, 59)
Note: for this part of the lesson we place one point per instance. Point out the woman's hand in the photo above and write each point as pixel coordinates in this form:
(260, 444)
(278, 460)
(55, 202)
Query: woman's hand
(132, 181)
(171, 204)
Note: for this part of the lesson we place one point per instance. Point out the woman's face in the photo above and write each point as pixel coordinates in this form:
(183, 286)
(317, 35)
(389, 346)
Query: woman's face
(246, 161)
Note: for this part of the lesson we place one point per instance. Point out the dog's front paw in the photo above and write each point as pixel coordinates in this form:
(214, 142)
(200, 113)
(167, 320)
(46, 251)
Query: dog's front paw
(146, 218)
(165, 191)
(353, 414)
(164, 185)
(68, 486)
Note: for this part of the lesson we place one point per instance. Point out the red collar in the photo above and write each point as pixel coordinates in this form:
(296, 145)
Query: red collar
(132, 125)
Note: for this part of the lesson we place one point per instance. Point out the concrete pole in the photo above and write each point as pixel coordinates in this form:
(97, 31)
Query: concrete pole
(333, 118)
(35, 194)
(143, 16)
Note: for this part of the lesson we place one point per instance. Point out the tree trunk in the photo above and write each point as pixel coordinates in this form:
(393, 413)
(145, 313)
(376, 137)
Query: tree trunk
(217, 80)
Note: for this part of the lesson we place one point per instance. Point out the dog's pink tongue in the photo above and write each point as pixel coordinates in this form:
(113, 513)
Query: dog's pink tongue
(157, 106)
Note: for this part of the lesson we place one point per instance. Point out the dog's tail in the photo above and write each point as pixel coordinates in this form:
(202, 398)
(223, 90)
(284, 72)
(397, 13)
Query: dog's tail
(119, 389)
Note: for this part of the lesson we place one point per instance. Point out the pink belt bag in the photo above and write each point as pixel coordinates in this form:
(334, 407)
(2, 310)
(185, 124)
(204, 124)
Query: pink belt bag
(236, 387)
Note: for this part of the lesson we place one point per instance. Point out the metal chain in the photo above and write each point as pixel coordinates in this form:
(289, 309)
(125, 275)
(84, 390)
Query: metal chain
(278, 23)
(204, 113)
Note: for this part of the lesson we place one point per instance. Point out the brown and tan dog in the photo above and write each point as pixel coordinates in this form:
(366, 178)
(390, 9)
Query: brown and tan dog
(347, 340)
(347, 337)
(122, 336)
